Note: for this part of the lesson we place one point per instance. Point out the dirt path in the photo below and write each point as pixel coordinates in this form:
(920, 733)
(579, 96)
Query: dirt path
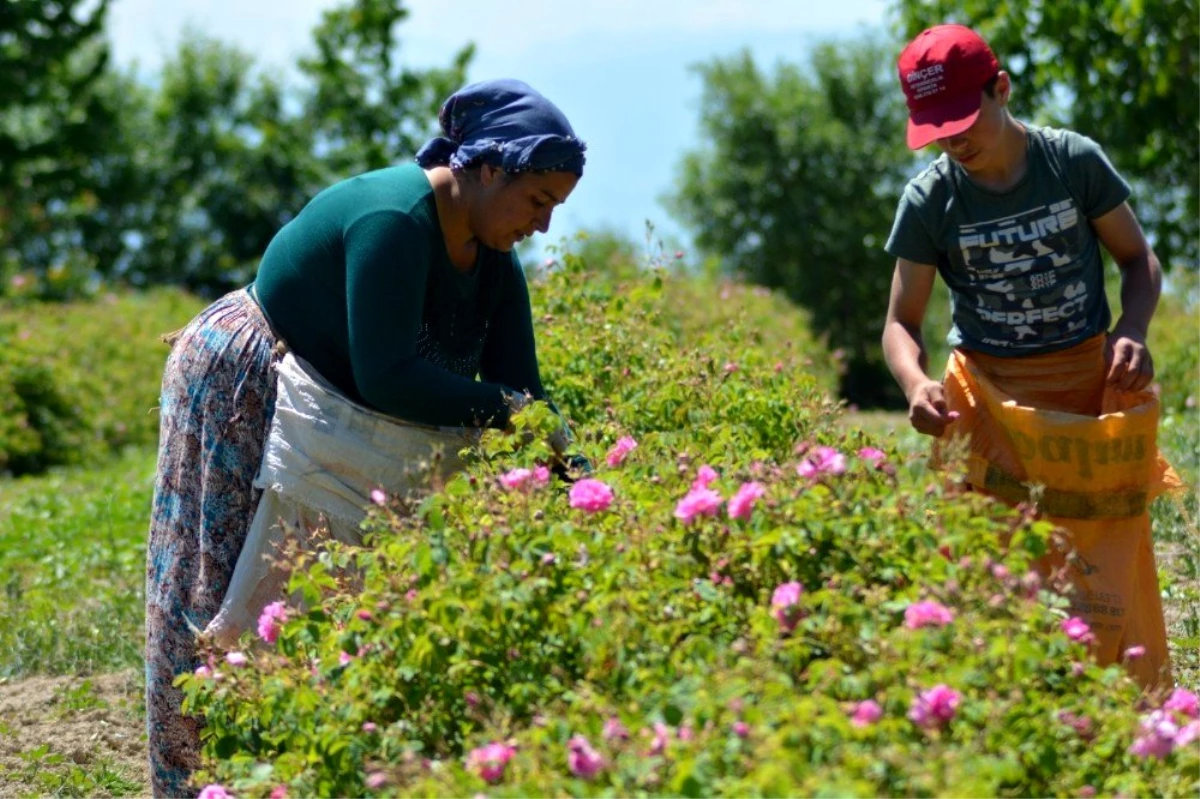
(66, 736)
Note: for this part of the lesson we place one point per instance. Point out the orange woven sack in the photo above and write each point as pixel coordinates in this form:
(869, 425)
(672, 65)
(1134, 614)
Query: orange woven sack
(1088, 457)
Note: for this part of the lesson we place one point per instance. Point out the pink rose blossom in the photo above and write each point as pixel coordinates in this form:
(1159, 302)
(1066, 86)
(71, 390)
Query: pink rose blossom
(616, 455)
(236, 659)
(269, 620)
(489, 761)
(584, 761)
(872, 456)
(741, 504)
(541, 475)
(785, 602)
(662, 737)
(515, 479)
(935, 707)
(378, 497)
(590, 495)
(730, 367)
(1158, 735)
(376, 780)
(1188, 733)
(278, 792)
(204, 672)
(1078, 630)
(741, 729)
(214, 791)
(927, 614)
(614, 730)
(1183, 701)
(1134, 652)
(821, 461)
(866, 713)
(698, 502)
(344, 658)
(369, 726)
(705, 476)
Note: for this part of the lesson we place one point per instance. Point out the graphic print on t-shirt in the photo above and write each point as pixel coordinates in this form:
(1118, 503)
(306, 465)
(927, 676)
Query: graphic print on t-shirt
(1024, 274)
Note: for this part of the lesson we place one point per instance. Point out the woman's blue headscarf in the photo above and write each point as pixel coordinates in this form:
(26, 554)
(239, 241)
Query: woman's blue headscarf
(505, 123)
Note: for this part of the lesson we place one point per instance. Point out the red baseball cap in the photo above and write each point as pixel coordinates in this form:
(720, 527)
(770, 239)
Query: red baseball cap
(943, 72)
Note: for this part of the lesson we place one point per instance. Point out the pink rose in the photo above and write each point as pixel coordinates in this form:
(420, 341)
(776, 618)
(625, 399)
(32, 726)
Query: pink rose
(822, 461)
(1158, 735)
(614, 730)
(785, 602)
(705, 476)
(515, 479)
(741, 504)
(214, 792)
(1183, 701)
(935, 707)
(866, 713)
(489, 761)
(927, 614)
(698, 502)
(590, 495)
(872, 456)
(616, 455)
(272, 616)
(1078, 630)
(584, 761)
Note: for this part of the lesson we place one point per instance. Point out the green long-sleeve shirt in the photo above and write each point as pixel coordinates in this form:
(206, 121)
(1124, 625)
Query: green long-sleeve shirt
(360, 285)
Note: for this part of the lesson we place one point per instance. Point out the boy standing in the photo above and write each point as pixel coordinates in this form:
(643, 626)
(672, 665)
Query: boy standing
(1012, 216)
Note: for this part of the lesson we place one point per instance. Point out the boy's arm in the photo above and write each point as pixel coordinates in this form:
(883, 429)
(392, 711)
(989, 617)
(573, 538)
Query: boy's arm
(904, 347)
(1130, 366)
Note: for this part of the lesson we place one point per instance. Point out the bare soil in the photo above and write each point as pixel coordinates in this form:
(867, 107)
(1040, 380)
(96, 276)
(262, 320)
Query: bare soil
(90, 727)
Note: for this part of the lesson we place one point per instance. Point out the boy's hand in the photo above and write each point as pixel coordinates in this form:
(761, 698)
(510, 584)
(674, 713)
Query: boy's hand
(1128, 361)
(927, 409)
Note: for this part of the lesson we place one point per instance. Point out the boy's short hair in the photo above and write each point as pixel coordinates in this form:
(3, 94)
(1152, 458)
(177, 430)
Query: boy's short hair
(943, 72)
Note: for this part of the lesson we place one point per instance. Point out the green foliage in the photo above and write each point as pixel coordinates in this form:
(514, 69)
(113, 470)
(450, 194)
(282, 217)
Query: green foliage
(1175, 343)
(796, 186)
(483, 613)
(1123, 72)
(83, 381)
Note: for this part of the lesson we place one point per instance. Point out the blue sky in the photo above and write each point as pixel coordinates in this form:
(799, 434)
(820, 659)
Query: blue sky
(619, 69)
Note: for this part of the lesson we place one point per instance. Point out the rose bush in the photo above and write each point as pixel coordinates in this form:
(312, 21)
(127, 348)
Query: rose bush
(869, 628)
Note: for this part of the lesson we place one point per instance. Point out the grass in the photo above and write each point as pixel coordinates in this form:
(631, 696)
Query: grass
(72, 567)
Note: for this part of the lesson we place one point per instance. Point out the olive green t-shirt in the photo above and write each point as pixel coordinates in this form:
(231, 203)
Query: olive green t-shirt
(1023, 265)
(360, 285)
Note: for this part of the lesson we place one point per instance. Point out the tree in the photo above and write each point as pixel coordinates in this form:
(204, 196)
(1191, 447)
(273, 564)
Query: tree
(796, 188)
(366, 111)
(53, 122)
(1123, 72)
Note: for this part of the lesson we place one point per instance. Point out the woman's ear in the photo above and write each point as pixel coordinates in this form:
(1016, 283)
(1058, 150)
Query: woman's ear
(488, 174)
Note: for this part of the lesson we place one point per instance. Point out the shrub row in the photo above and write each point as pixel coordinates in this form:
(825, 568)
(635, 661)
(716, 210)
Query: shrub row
(748, 602)
(81, 381)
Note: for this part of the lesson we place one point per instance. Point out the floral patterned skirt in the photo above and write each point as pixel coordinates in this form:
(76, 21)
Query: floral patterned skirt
(218, 395)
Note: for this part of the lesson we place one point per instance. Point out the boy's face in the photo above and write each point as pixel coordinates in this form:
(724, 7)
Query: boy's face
(977, 148)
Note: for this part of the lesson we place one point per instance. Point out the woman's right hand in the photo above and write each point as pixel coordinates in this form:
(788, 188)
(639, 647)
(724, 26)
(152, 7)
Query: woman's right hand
(927, 410)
